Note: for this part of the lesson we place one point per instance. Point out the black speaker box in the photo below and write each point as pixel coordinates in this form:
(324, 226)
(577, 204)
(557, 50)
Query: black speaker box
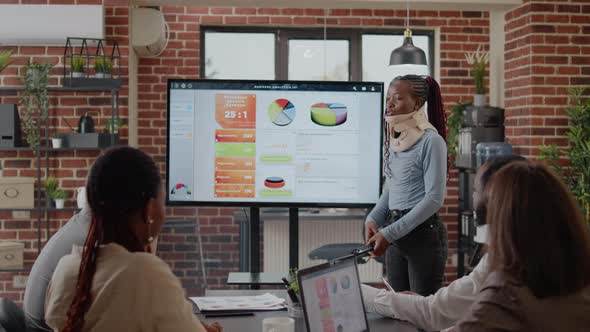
(9, 126)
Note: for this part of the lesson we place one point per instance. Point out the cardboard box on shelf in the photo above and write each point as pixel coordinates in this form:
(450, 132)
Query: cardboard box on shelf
(17, 193)
(11, 255)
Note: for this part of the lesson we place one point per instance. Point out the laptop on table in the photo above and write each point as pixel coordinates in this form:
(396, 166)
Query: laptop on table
(332, 298)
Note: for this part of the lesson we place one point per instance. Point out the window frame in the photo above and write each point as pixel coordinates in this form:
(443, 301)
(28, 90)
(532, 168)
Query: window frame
(284, 34)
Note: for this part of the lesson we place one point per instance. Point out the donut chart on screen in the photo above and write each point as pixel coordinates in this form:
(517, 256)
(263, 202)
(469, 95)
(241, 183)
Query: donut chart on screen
(281, 112)
(274, 182)
(329, 114)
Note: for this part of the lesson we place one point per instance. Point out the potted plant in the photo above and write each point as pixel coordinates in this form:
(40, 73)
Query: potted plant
(103, 68)
(34, 100)
(53, 192)
(5, 59)
(478, 61)
(577, 174)
(78, 63)
(0, 168)
(56, 141)
(112, 126)
(59, 197)
(454, 124)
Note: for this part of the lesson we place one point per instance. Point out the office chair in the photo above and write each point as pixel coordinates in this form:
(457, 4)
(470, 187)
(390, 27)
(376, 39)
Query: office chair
(12, 318)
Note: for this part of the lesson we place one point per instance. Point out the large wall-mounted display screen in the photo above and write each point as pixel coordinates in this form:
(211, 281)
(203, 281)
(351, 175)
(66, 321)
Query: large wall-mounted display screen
(271, 143)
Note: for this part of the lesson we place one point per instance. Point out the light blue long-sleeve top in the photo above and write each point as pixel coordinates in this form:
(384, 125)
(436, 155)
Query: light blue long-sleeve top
(417, 182)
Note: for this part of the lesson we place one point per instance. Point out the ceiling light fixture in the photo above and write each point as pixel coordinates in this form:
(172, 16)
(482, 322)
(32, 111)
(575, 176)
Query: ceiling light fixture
(407, 53)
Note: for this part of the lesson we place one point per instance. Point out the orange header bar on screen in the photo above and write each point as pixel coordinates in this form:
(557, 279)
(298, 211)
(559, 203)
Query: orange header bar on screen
(235, 164)
(235, 135)
(235, 177)
(235, 110)
(234, 190)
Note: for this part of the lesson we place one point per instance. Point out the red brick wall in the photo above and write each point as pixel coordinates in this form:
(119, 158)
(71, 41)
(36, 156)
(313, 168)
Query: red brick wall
(460, 32)
(69, 167)
(533, 102)
(547, 51)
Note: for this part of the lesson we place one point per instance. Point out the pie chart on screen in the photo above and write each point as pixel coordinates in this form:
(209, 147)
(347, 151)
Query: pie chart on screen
(329, 114)
(281, 112)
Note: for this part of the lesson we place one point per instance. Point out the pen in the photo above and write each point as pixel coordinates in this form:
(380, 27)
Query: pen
(387, 284)
(228, 314)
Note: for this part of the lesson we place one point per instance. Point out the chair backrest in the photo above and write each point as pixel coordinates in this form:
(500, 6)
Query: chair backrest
(12, 318)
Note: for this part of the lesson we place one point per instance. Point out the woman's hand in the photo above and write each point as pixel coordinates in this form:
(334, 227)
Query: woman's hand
(215, 327)
(380, 244)
(370, 230)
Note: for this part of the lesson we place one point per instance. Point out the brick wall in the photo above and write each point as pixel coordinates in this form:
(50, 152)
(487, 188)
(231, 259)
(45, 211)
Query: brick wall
(69, 167)
(547, 51)
(536, 78)
(460, 32)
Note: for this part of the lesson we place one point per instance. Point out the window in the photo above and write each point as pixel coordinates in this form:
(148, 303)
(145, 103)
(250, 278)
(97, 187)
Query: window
(314, 60)
(240, 55)
(302, 54)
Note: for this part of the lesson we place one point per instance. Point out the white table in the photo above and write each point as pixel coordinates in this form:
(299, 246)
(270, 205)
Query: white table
(254, 323)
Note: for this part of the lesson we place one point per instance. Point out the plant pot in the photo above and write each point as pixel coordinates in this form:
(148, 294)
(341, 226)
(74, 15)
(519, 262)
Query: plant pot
(78, 74)
(102, 75)
(479, 100)
(59, 203)
(56, 142)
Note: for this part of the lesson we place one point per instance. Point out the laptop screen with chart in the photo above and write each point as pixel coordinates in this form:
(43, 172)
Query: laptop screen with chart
(274, 143)
(332, 297)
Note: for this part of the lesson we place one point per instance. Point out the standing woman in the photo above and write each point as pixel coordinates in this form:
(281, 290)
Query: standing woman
(404, 225)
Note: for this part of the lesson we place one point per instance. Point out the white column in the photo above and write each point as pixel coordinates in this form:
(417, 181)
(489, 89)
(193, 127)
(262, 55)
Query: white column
(497, 50)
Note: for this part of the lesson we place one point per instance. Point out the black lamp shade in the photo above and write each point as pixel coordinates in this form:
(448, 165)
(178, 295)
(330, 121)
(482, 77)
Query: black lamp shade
(407, 54)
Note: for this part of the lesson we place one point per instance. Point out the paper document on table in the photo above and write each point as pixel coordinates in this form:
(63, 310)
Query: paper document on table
(246, 303)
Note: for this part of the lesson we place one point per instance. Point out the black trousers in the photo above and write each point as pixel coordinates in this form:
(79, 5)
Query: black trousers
(417, 261)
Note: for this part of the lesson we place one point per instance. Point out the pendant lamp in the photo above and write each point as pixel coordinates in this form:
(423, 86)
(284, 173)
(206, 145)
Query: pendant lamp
(407, 53)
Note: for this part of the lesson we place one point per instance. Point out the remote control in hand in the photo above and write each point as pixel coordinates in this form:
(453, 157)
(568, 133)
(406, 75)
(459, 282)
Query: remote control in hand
(363, 250)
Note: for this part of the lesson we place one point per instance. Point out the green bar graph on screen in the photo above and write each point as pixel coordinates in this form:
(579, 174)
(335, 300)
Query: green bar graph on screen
(235, 149)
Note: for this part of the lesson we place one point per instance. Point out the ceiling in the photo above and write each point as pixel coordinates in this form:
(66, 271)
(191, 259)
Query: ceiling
(470, 5)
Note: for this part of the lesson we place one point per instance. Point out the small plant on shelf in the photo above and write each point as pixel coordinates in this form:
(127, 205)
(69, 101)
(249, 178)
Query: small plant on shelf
(34, 100)
(56, 194)
(78, 64)
(5, 59)
(103, 68)
(59, 196)
(112, 126)
(56, 141)
(478, 61)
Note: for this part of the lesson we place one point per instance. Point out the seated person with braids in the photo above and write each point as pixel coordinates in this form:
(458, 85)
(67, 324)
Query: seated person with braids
(115, 283)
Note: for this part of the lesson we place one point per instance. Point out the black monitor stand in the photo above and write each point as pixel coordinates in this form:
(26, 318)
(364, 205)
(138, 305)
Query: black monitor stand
(254, 233)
